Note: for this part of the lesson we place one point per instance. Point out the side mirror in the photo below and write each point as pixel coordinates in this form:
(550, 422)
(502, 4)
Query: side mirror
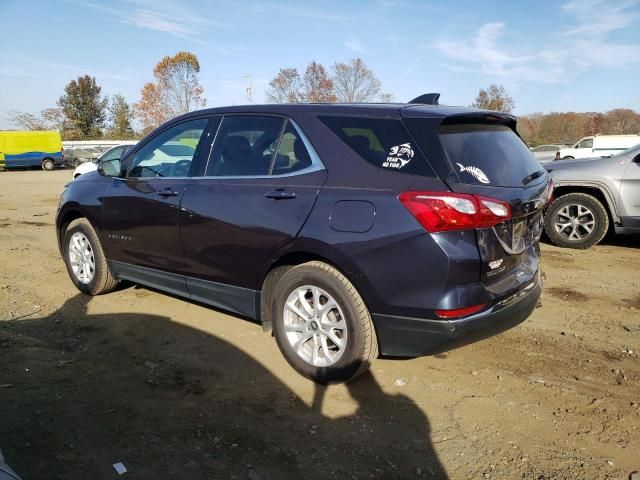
(110, 168)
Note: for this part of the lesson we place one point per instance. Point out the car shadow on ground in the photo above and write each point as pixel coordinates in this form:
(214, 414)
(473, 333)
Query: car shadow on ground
(81, 392)
(629, 241)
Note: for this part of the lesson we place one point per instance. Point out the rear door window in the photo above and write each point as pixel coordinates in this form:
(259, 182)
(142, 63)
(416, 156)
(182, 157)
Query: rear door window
(245, 145)
(382, 142)
(489, 154)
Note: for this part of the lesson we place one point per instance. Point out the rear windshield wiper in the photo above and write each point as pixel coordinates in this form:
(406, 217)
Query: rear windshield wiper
(529, 178)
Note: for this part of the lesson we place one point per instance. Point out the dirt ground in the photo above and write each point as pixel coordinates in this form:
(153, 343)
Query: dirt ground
(177, 390)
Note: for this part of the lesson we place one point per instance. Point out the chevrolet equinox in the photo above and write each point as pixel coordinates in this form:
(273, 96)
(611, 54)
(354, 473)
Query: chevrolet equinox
(347, 230)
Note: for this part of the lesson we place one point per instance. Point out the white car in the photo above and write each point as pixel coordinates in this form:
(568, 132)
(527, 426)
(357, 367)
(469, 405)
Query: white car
(115, 152)
(598, 146)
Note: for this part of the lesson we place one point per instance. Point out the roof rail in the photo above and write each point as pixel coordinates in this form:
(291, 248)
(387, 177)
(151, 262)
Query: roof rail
(427, 99)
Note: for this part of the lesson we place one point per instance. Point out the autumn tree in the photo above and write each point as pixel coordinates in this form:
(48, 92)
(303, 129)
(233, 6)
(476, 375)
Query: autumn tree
(622, 121)
(355, 82)
(176, 90)
(120, 117)
(317, 87)
(352, 81)
(495, 98)
(83, 107)
(285, 87)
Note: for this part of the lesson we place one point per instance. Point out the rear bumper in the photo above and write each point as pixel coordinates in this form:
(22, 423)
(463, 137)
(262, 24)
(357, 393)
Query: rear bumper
(412, 337)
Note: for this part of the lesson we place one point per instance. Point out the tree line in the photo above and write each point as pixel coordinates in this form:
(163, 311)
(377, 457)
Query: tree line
(560, 127)
(348, 82)
(569, 127)
(82, 112)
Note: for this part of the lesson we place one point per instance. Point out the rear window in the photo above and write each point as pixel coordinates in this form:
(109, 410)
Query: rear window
(382, 142)
(488, 154)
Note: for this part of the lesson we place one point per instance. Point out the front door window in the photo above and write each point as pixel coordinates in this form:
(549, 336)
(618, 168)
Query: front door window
(170, 153)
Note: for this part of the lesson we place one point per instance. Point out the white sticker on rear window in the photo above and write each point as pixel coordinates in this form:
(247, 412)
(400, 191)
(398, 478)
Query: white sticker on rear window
(399, 156)
(476, 172)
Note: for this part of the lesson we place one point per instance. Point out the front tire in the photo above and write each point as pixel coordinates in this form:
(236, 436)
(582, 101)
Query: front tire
(85, 260)
(48, 165)
(576, 220)
(321, 324)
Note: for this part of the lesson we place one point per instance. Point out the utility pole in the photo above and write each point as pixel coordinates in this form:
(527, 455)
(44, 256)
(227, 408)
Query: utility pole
(249, 89)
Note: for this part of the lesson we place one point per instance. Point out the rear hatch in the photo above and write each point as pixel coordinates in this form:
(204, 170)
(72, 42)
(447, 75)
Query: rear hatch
(480, 154)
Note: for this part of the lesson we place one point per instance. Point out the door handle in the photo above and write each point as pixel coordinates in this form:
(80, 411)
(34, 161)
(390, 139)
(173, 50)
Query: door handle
(280, 194)
(167, 192)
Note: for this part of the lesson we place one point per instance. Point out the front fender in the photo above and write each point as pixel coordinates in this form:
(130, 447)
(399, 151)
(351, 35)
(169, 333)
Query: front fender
(81, 199)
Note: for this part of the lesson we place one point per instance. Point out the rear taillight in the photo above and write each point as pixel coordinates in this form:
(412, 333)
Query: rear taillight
(442, 211)
(550, 192)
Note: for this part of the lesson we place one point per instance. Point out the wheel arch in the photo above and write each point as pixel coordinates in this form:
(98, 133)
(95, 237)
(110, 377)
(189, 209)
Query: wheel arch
(273, 270)
(598, 191)
(65, 218)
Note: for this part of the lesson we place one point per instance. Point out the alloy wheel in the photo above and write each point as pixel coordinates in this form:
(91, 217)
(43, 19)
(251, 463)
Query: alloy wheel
(81, 258)
(574, 222)
(315, 326)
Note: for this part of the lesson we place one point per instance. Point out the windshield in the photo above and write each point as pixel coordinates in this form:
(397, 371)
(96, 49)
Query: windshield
(489, 154)
(177, 150)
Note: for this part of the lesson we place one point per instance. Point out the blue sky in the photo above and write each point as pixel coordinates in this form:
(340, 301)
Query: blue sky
(580, 55)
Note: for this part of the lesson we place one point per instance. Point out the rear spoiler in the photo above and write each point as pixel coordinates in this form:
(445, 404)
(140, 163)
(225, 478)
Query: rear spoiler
(482, 117)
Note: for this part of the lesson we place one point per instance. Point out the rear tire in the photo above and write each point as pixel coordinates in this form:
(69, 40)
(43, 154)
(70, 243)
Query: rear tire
(569, 157)
(85, 260)
(568, 219)
(333, 339)
(48, 165)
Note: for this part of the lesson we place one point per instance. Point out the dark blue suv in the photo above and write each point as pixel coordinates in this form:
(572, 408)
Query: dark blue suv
(347, 230)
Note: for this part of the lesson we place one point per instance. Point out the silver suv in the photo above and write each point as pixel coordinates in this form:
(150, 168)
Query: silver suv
(591, 195)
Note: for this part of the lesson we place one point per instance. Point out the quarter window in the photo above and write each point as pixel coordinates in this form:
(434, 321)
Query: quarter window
(382, 142)
(170, 153)
(292, 155)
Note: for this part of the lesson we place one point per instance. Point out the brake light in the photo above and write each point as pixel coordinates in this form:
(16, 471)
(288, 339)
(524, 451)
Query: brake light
(550, 192)
(460, 312)
(443, 211)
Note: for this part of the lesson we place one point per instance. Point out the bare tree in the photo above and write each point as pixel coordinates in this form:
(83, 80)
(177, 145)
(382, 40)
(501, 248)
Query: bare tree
(49, 119)
(53, 118)
(285, 87)
(25, 120)
(387, 97)
(317, 87)
(495, 98)
(355, 82)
